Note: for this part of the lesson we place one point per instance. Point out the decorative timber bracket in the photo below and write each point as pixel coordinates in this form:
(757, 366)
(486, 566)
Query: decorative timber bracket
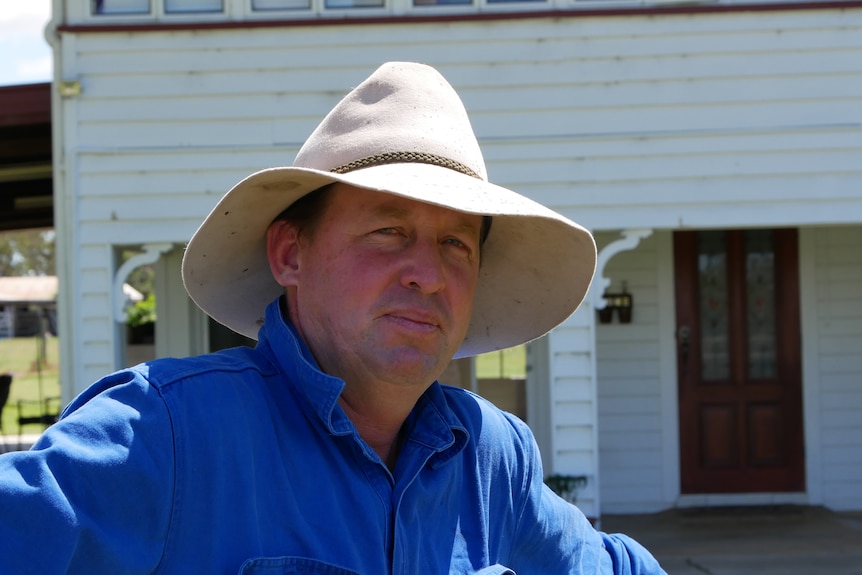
(630, 240)
(150, 254)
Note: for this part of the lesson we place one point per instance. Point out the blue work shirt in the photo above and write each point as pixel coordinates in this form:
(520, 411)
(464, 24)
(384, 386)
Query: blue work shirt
(243, 461)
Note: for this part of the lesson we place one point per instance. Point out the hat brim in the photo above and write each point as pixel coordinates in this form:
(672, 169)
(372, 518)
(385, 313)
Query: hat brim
(536, 264)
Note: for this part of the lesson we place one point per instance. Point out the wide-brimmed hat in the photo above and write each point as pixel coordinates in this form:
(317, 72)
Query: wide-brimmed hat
(403, 131)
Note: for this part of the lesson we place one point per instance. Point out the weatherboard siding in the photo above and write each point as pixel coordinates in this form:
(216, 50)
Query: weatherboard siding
(573, 413)
(631, 418)
(838, 288)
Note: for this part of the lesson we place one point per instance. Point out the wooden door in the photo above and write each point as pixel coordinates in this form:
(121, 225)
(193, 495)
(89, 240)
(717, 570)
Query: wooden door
(740, 391)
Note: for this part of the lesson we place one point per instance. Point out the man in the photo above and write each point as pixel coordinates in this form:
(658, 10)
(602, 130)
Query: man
(329, 448)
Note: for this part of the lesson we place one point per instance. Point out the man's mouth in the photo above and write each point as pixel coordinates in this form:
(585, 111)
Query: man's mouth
(415, 319)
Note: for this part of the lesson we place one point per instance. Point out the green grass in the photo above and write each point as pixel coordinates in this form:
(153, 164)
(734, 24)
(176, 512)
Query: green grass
(18, 356)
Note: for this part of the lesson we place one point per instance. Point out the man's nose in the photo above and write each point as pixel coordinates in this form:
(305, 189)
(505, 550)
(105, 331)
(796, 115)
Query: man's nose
(423, 267)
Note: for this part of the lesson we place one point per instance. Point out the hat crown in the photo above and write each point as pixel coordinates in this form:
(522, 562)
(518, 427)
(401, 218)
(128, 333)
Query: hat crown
(403, 108)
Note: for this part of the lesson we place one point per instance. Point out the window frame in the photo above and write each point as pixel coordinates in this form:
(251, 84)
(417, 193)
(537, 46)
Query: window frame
(239, 11)
(244, 10)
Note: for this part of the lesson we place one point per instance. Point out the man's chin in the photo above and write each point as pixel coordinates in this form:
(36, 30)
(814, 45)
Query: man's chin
(411, 366)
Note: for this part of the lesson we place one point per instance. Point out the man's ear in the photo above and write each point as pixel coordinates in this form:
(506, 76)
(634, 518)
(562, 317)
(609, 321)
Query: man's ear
(282, 250)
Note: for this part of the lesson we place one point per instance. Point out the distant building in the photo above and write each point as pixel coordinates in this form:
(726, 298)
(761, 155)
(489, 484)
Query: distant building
(28, 306)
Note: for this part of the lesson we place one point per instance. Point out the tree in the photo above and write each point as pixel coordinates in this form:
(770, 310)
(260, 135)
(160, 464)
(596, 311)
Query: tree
(27, 253)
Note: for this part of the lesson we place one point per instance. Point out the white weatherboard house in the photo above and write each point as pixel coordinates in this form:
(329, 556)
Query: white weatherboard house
(715, 149)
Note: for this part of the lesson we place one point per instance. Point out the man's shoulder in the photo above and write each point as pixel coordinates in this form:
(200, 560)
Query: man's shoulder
(232, 364)
(236, 367)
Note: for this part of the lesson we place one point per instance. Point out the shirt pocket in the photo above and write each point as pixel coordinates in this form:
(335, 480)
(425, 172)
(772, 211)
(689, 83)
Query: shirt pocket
(290, 566)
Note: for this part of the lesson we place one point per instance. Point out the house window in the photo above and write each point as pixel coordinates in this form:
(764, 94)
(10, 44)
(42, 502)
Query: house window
(186, 6)
(262, 5)
(442, 2)
(120, 7)
(501, 378)
(354, 3)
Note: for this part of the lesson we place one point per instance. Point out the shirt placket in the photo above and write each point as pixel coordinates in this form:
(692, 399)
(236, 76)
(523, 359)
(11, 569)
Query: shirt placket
(412, 461)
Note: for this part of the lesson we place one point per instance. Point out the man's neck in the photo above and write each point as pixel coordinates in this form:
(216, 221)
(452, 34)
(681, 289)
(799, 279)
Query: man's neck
(379, 423)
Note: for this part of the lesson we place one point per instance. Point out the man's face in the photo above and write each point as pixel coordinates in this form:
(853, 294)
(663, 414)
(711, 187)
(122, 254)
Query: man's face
(383, 291)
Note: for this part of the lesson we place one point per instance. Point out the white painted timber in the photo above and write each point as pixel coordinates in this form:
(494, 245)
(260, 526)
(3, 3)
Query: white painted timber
(837, 285)
(574, 437)
(630, 402)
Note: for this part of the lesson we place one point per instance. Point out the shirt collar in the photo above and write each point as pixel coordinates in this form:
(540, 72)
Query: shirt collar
(433, 424)
(281, 342)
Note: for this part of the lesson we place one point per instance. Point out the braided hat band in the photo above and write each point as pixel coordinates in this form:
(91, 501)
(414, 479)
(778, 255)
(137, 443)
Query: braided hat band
(404, 158)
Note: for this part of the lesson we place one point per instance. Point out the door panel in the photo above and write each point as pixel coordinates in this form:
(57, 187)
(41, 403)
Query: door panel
(740, 392)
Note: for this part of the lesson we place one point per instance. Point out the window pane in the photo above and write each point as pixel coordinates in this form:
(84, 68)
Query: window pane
(442, 2)
(760, 303)
(501, 379)
(260, 5)
(712, 277)
(512, 1)
(175, 6)
(354, 3)
(120, 6)
(509, 363)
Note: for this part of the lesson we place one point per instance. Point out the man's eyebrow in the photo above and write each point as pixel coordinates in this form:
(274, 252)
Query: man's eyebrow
(388, 210)
(468, 228)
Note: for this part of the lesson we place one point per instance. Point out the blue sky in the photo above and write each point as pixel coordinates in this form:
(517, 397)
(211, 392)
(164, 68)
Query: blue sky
(25, 56)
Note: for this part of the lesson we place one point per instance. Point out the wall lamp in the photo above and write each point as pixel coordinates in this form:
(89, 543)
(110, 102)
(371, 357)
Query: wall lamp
(621, 302)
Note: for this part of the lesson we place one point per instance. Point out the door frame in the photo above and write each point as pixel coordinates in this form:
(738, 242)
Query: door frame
(785, 297)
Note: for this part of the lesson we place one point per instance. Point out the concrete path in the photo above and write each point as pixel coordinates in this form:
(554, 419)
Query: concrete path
(779, 540)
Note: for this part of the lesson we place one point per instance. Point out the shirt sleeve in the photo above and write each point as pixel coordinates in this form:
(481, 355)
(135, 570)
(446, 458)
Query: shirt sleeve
(94, 494)
(554, 536)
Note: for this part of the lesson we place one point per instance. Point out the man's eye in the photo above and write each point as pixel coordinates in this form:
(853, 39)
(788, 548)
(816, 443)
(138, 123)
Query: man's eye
(464, 247)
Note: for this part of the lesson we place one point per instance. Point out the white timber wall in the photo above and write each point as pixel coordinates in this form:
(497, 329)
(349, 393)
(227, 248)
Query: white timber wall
(574, 430)
(633, 421)
(722, 120)
(832, 353)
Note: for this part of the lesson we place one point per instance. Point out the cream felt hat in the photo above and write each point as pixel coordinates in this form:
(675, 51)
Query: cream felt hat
(403, 131)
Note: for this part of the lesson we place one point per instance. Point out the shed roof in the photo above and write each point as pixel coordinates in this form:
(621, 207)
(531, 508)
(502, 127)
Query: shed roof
(28, 289)
(43, 289)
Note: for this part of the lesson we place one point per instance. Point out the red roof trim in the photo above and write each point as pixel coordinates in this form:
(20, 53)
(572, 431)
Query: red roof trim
(25, 104)
(574, 13)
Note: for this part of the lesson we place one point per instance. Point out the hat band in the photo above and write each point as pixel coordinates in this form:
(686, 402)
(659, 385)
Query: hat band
(405, 157)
